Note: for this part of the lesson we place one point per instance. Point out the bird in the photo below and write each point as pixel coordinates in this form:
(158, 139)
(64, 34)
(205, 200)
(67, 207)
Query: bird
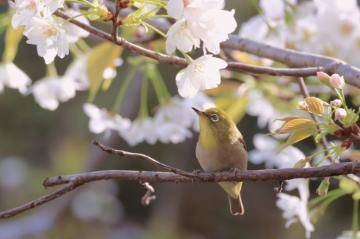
(221, 147)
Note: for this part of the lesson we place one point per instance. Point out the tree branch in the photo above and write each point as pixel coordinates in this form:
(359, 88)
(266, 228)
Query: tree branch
(330, 65)
(76, 180)
(294, 58)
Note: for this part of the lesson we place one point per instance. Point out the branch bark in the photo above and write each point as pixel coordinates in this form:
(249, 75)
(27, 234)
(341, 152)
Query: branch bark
(74, 181)
(226, 176)
(294, 58)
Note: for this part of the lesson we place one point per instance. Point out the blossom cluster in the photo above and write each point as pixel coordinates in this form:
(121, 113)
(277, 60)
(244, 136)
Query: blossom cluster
(199, 21)
(52, 36)
(314, 26)
(294, 207)
(172, 122)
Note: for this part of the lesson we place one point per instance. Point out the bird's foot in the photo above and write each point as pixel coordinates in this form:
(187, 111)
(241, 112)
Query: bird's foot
(196, 171)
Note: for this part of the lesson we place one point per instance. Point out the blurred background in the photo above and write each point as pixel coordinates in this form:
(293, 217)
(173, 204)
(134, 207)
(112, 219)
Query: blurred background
(36, 143)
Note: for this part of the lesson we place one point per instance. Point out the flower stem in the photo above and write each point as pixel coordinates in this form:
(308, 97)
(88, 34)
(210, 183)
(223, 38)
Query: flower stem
(355, 219)
(51, 69)
(144, 92)
(153, 28)
(122, 90)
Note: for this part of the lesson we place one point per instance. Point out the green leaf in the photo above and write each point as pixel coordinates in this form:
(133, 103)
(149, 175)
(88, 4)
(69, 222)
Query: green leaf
(13, 37)
(301, 163)
(298, 135)
(295, 124)
(323, 187)
(100, 58)
(351, 118)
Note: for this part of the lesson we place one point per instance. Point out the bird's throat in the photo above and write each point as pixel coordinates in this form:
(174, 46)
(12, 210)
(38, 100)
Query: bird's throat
(207, 137)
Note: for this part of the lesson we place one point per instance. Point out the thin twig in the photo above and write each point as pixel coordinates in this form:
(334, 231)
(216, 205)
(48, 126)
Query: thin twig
(40, 201)
(123, 153)
(323, 141)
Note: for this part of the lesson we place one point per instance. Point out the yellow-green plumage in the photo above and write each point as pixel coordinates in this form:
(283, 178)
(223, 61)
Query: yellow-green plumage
(221, 147)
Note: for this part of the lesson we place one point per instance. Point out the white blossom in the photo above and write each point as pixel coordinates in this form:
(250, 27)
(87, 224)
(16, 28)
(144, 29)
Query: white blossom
(77, 71)
(262, 109)
(212, 27)
(103, 121)
(340, 113)
(13, 77)
(274, 10)
(140, 130)
(180, 37)
(48, 36)
(199, 20)
(50, 91)
(25, 10)
(201, 74)
(73, 32)
(295, 209)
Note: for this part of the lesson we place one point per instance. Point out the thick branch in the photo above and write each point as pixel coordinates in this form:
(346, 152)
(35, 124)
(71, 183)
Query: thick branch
(294, 58)
(235, 66)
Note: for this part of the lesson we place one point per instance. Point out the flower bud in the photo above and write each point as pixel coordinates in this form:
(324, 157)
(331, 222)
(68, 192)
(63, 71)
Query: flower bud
(340, 114)
(337, 81)
(323, 77)
(336, 103)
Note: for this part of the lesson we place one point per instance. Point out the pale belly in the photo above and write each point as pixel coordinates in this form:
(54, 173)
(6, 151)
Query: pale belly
(230, 156)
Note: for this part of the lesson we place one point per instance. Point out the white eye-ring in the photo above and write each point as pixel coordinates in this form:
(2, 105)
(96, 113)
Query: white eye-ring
(214, 117)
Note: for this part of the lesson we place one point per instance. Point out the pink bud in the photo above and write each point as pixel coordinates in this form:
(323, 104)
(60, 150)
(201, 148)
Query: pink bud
(337, 81)
(186, 2)
(340, 113)
(323, 78)
(336, 103)
(322, 75)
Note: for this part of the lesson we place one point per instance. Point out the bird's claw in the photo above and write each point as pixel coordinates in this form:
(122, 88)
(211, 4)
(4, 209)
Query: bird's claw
(196, 171)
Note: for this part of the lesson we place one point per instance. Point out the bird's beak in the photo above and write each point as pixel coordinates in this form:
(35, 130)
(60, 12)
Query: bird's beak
(199, 112)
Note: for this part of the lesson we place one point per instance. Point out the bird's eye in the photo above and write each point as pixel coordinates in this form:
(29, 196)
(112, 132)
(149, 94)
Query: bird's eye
(214, 117)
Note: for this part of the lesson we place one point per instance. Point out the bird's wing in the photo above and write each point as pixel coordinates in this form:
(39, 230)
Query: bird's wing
(241, 140)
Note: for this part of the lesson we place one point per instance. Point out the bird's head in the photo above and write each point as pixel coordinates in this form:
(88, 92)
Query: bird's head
(216, 125)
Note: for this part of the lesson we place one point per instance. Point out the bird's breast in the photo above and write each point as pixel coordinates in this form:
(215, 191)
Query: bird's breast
(217, 159)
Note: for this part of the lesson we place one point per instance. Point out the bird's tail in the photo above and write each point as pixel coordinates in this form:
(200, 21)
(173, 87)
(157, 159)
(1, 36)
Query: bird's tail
(236, 206)
(233, 190)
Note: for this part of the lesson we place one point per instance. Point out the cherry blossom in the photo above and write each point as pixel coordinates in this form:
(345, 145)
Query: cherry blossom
(337, 81)
(48, 36)
(294, 209)
(140, 130)
(25, 10)
(180, 36)
(13, 77)
(50, 91)
(340, 113)
(103, 121)
(199, 20)
(201, 74)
